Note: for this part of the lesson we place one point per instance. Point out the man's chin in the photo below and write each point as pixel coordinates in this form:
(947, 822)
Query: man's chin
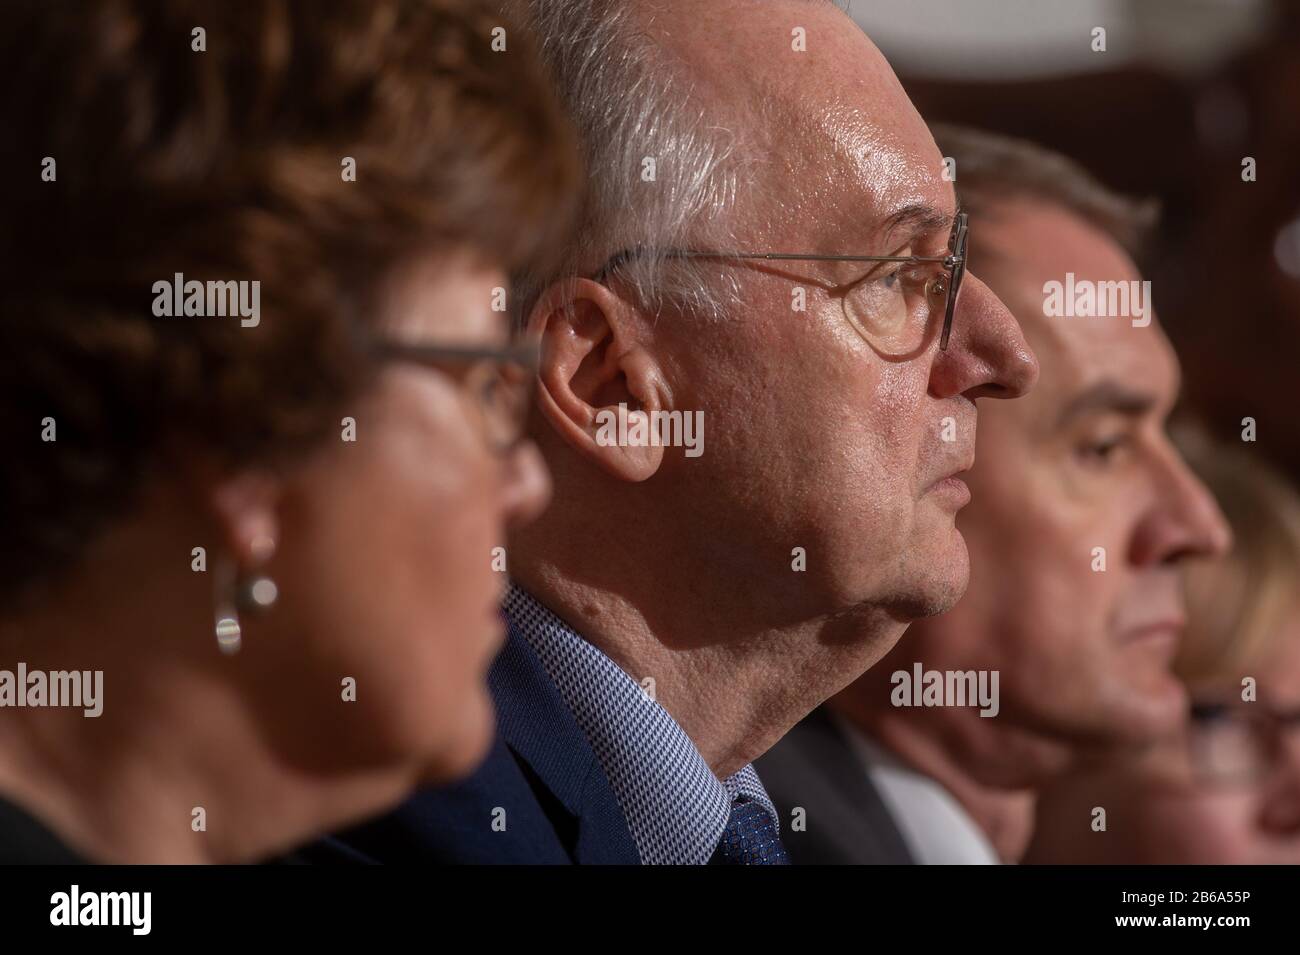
(937, 578)
(1142, 710)
(949, 572)
(1160, 707)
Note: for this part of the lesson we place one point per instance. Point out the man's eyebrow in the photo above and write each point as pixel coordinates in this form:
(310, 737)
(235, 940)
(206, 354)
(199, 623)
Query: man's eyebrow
(1107, 395)
(915, 220)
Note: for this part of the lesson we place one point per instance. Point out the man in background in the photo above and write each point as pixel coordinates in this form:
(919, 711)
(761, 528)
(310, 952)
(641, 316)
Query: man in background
(1082, 512)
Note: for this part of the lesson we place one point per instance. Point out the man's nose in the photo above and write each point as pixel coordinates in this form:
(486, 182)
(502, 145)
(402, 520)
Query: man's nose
(987, 354)
(525, 485)
(1184, 521)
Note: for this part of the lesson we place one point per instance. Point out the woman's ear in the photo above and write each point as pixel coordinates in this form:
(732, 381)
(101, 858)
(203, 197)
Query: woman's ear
(244, 505)
(599, 386)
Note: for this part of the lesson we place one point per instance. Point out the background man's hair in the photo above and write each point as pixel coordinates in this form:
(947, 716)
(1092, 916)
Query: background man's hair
(991, 167)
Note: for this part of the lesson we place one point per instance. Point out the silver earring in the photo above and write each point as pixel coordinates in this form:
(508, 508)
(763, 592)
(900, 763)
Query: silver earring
(257, 593)
(229, 636)
(252, 593)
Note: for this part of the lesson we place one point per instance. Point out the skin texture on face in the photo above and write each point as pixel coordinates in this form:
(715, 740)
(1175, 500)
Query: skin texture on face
(1160, 811)
(684, 569)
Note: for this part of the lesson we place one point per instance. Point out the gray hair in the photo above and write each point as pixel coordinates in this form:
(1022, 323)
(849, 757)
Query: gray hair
(631, 103)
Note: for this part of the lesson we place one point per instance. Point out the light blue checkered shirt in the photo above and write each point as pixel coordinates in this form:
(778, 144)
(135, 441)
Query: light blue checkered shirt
(676, 808)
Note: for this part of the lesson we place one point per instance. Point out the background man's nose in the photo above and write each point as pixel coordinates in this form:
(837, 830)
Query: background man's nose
(1185, 520)
(987, 354)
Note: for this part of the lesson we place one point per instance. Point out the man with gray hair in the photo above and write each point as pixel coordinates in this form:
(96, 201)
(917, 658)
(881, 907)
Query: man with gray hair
(769, 250)
(1083, 514)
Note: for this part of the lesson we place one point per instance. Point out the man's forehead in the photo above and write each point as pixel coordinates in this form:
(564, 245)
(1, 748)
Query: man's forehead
(1046, 239)
(1085, 349)
(879, 150)
(1098, 364)
(1022, 246)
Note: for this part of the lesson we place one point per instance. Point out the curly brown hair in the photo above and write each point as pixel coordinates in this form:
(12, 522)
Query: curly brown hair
(226, 164)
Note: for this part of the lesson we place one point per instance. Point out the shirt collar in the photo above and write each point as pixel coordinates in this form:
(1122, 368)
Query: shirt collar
(676, 808)
(935, 826)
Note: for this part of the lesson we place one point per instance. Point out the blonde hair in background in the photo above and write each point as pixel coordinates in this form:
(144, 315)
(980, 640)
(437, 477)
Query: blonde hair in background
(1237, 605)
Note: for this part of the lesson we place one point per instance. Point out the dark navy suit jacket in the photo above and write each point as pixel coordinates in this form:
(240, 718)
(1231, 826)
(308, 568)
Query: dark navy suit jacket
(541, 770)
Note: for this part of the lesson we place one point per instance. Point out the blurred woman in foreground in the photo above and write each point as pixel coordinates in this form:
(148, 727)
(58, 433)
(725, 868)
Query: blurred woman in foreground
(1227, 788)
(259, 411)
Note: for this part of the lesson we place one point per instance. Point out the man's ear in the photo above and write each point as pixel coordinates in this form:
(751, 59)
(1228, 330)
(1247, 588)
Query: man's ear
(593, 362)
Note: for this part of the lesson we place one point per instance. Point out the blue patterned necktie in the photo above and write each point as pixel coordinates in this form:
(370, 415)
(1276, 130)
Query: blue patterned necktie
(750, 838)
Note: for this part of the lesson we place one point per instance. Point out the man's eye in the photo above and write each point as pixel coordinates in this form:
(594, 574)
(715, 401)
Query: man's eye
(1103, 451)
(908, 278)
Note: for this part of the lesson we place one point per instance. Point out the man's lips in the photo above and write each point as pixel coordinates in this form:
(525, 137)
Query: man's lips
(952, 491)
(950, 480)
(1167, 629)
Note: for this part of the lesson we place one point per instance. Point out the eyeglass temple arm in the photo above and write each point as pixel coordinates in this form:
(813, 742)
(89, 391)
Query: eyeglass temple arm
(949, 260)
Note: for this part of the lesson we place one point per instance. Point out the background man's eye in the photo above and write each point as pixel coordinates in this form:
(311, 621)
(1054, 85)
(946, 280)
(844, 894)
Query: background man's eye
(1105, 450)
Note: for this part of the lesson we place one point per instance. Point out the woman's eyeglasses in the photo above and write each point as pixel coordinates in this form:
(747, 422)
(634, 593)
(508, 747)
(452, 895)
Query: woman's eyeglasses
(497, 381)
(1238, 742)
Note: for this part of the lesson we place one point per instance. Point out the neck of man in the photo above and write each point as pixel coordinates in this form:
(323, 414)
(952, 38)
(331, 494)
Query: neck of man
(992, 769)
(177, 732)
(735, 684)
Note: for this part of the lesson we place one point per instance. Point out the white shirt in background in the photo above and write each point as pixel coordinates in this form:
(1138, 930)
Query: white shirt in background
(936, 828)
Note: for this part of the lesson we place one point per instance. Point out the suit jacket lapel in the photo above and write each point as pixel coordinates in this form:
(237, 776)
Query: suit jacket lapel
(542, 734)
(871, 821)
